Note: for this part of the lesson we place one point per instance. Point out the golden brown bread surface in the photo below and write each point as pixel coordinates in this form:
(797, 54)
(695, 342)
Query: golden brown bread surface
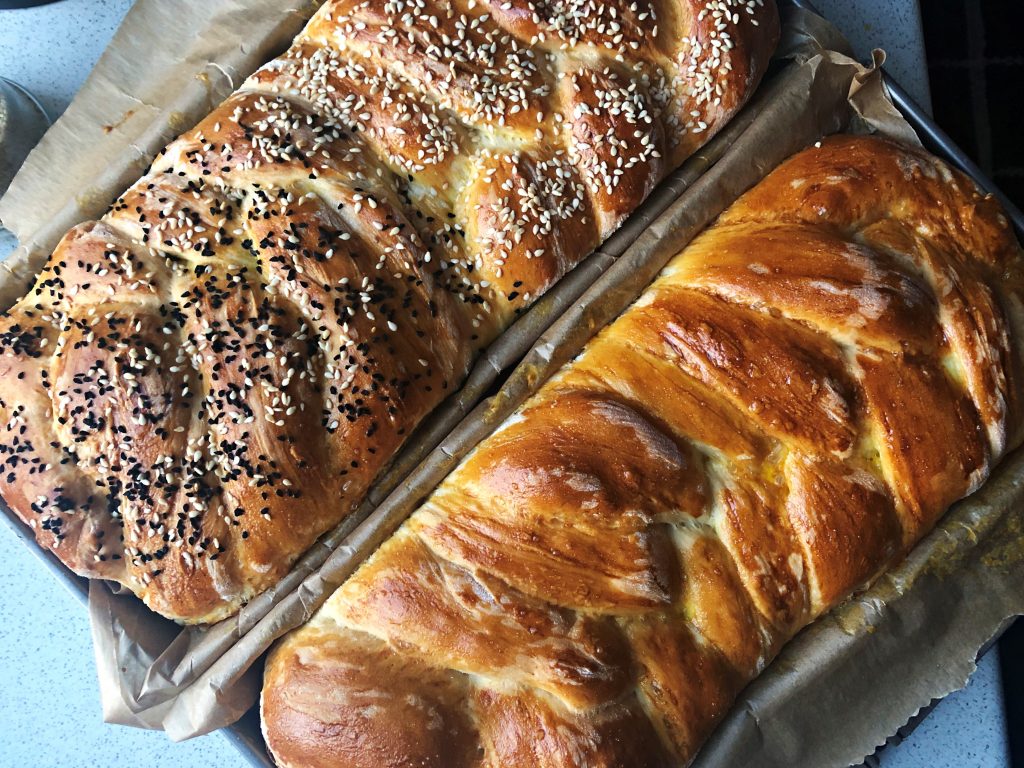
(788, 409)
(203, 382)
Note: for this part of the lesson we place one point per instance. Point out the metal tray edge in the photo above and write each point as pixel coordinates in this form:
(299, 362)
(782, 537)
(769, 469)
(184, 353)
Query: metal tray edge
(241, 735)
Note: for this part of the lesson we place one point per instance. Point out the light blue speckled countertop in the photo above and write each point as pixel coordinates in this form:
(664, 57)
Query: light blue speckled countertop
(49, 705)
(894, 25)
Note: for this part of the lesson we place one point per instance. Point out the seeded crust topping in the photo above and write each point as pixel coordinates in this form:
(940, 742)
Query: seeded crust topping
(206, 380)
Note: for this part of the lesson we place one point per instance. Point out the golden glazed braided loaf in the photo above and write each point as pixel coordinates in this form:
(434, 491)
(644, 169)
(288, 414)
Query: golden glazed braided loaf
(789, 408)
(210, 377)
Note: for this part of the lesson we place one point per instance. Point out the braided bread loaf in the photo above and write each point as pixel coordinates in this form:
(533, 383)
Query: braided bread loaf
(791, 406)
(203, 382)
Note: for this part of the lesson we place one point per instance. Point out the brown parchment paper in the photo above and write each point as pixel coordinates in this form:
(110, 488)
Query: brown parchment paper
(221, 692)
(853, 678)
(142, 93)
(168, 66)
(834, 693)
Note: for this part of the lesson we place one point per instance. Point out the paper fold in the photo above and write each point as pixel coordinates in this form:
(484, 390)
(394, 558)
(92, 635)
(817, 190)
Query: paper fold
(836, 692)
(141, 95)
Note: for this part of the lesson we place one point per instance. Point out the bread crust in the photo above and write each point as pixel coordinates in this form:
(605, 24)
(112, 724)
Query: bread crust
(787, 410)
(200, 384)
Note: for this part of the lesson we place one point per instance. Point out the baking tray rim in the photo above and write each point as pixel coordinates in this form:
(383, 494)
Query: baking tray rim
(239, 735)
(944, 147)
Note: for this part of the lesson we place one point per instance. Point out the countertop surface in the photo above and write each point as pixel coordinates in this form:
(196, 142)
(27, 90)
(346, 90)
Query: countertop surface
(49, 703)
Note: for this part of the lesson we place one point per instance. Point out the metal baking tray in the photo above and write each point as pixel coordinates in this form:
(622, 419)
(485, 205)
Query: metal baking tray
(246, 736)
(939, 142)
(934, 138)
(942, 145)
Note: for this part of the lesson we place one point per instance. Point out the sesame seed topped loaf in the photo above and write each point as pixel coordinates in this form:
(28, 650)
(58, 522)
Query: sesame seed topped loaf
(787, 410)
(210, 377)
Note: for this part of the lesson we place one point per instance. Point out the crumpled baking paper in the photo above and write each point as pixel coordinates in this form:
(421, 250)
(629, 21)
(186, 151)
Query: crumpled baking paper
(835, 692)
